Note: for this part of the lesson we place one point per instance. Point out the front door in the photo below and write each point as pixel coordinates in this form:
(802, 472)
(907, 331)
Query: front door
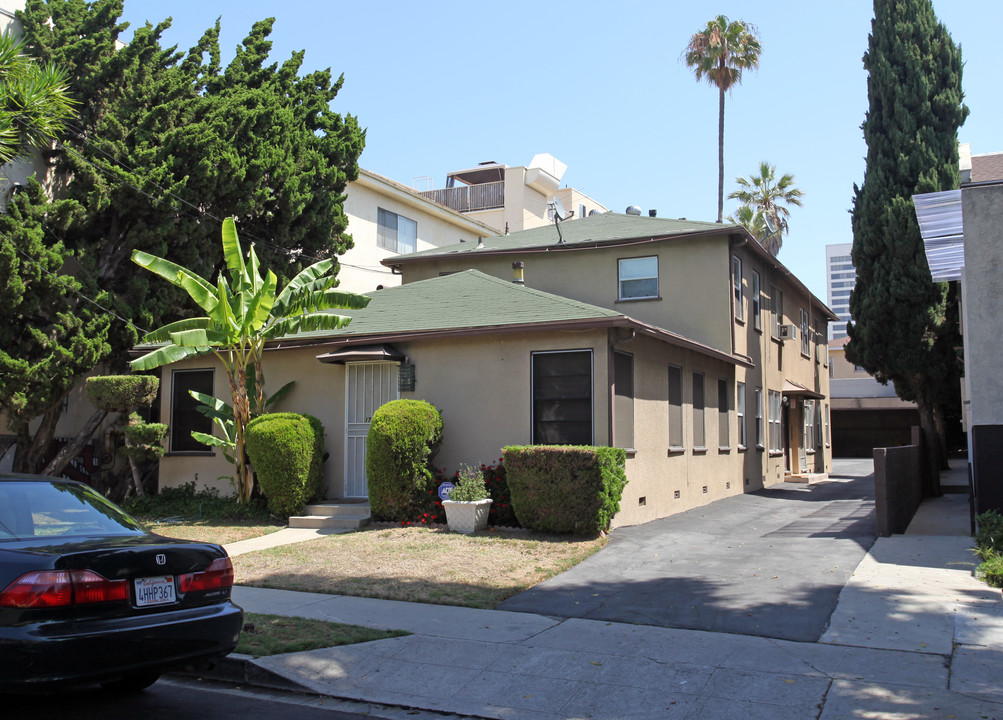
(369, 385)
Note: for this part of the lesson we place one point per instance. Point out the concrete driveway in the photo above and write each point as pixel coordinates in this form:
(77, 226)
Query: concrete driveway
(770, 563)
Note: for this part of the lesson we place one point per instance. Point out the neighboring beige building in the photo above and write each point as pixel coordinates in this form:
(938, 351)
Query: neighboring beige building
(511, 199)
(386, 219)
(684, 343)
(865, 413)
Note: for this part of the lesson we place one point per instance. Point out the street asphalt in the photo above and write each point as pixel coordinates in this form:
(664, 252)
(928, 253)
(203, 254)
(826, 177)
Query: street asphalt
(770, 563)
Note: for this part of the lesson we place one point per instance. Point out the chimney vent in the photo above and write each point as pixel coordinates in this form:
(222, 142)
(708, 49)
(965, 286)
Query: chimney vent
(517, 272)
(652, 213)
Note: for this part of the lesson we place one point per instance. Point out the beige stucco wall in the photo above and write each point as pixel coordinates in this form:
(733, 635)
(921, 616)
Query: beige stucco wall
(694, 277)
(482, 385)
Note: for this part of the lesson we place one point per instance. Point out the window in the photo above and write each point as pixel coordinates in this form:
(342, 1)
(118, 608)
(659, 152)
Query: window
(562, 398)
(185, 416)
(805, 334)
(760, 434)
(757, 302)
(638, 278)
(736, 281)
(395, 232)
(818, 423)
(723, 436)
(776, 407)
(699, 431)
(675, 408)
(777, 307)
(623, 400)
(827, 440)
(809, 426)
(581, 211)
(740, 412)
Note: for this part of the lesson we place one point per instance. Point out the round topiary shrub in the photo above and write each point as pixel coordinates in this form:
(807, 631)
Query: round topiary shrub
(403, 437)
(122, 393)
(286, 450)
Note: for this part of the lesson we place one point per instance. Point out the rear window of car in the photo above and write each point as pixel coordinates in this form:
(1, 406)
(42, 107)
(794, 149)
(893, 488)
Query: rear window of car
(59, 509)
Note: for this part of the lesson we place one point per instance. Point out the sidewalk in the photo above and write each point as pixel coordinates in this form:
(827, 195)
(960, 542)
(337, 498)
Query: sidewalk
(914, 635)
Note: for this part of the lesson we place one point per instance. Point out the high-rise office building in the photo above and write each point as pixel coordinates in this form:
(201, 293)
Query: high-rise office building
(841, 276)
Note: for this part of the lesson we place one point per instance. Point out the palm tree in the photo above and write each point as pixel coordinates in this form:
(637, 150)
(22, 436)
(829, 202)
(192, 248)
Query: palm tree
(770, 196)
(241, 316)
(719, 53)
(34, 104)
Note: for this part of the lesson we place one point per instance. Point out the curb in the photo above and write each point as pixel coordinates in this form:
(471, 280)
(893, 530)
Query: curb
(242, 670)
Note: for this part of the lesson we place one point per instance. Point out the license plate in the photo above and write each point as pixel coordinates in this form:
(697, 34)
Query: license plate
(155, 591)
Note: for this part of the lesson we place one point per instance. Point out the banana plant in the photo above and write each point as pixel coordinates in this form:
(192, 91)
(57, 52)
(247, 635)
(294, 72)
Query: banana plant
(243, 313)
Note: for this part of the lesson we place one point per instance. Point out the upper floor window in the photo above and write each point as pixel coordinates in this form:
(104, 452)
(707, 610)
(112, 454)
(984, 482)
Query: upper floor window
(638, 278)
(757, 302)
(736, 281)
(805, 333)
(396, 232)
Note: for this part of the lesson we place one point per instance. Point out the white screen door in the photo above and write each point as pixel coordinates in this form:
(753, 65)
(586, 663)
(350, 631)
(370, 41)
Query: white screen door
(369, 385)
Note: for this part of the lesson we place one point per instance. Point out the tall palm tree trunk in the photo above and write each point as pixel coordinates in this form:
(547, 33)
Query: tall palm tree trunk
(720, 158)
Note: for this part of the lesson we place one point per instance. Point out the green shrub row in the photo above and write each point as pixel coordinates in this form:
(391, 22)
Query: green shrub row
(565, 489)
(989, 548)
(186, 502)
(287, 452)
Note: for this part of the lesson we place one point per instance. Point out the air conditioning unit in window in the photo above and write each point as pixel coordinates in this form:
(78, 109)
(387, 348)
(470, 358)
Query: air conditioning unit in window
(787, 332)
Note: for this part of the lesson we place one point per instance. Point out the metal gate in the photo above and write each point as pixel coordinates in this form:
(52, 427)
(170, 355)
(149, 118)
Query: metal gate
(368, 385)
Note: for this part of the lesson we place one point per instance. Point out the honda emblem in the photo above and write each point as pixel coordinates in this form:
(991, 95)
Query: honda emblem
(161, 559)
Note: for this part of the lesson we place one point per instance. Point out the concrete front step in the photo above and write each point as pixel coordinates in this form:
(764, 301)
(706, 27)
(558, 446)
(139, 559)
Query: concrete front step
(352, 515)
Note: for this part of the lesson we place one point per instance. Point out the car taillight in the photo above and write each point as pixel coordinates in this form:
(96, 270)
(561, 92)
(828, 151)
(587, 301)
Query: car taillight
(218, 575)
(59, 588)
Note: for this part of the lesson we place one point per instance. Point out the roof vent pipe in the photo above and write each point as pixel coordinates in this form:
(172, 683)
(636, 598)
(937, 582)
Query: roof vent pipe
(517, 272)
(652, 213)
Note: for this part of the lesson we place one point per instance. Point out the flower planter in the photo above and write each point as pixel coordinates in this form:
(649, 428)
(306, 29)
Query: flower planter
(467, 517)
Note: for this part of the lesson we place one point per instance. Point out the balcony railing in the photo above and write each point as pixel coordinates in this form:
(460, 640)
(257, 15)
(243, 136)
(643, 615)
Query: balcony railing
(467, 198)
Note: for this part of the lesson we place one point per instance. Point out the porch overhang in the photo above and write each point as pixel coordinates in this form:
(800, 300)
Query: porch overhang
(793, 389)
(362, 353)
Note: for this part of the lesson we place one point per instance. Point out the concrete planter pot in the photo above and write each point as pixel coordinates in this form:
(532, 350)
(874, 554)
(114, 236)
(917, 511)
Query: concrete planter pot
(467, 517)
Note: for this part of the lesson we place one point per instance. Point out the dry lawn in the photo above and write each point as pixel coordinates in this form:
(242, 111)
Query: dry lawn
(215, 531)
(417, 564)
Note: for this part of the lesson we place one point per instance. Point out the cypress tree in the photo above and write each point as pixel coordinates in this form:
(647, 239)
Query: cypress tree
(900, 325)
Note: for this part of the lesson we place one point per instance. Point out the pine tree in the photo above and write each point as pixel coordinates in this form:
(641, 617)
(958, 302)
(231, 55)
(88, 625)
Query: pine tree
(900, 328)
(167, 144)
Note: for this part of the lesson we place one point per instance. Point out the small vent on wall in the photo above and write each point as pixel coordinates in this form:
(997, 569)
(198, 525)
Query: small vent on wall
(676, 494)
(642, 501)
(704, 489)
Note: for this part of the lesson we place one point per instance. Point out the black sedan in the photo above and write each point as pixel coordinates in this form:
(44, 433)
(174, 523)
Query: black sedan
(89, 596)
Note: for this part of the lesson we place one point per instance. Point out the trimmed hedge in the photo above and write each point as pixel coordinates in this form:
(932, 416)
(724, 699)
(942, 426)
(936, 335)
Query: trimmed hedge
(403, 437)
(122, 393)
(565, 489)
(287, 452)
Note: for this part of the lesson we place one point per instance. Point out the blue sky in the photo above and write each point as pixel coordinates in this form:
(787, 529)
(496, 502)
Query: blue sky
(601, 86)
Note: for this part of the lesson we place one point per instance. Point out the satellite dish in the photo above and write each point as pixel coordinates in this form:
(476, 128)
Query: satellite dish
(769, 225)
(558, 208)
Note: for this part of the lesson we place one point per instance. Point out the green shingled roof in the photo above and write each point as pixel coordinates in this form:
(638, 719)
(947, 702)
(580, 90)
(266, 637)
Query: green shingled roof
(463, 300)
(607, 227)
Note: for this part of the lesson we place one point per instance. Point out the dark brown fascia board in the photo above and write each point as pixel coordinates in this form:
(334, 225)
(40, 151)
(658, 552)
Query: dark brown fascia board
(585, 324)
